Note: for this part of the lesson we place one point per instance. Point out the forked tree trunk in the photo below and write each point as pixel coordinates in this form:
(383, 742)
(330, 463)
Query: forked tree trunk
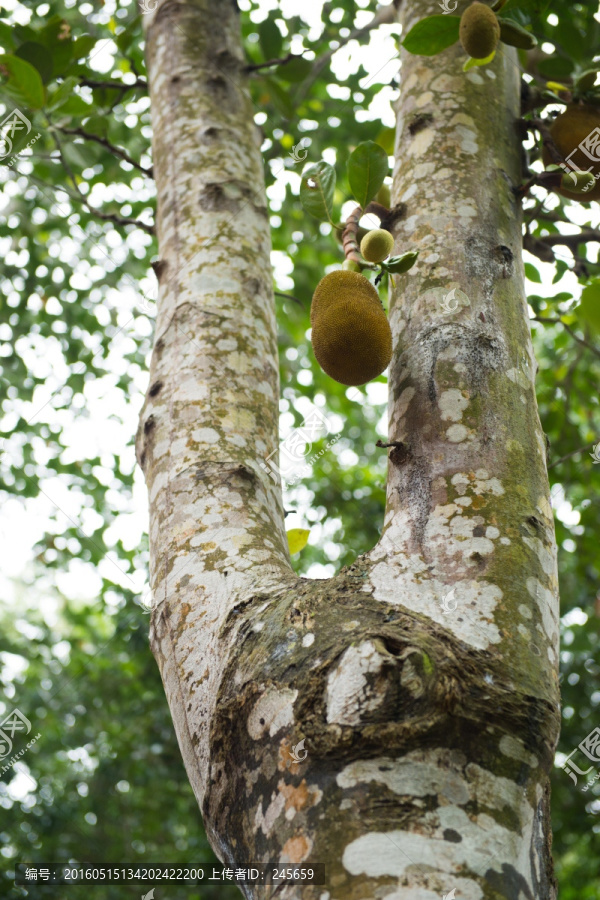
(429, 724)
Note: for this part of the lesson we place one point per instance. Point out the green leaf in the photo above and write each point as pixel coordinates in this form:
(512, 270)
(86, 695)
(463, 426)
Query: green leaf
(386, 139)
(97, 125)
(75, 155)
(6, 35)
(83, 46)
(587, 80)
(555, 67)
(23, 84)
(367, 167)
(57, 39)
(23, 33)
(76, 106)
(589, 308)
(270, 39)
(38, 56)
(516, 36)
(532, 273)
(125, 39)
(471, 62)
(432, 35)
(561, 268)
(402, 263)
(295, 70)
(297, 539)
(62, 93)
(316, 190)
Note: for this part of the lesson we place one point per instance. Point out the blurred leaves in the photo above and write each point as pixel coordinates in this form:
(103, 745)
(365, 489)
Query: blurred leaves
(589, 307)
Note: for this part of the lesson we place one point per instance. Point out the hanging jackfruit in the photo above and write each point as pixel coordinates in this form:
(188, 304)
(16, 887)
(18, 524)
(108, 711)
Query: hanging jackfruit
(338, 285)
(351, 336)
(479, 30)
(573, 135)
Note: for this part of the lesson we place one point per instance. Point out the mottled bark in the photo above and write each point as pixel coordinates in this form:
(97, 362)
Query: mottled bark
(430, 731)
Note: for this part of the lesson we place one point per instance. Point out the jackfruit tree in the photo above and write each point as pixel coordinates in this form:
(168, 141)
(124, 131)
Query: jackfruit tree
(395, 718)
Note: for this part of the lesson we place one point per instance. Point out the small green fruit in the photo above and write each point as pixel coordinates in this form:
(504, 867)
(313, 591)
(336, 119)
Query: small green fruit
(383, 195)
(350, 265)
(515, 36)
(479, 30)
(578, 182)
(377, 245)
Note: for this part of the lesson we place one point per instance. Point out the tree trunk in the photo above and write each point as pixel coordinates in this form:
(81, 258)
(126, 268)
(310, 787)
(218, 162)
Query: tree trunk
(429, 724)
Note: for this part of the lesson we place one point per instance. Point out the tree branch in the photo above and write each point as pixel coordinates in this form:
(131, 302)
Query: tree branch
(572, 453)
(541, 126)
(289, 297)
(274, 62)
(116, 151)
(587, 235)
(107, 217)
(139, 83)
(548, 320)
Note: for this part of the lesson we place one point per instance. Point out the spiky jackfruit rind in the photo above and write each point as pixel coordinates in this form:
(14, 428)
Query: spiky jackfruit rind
(568, 131)
(338, 286)
(479, 31)
(377, 245)
(352, 341)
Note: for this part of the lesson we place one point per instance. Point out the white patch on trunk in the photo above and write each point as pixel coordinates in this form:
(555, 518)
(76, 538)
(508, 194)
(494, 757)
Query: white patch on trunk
(547, 603)
(349, 694)
(515, 748)
(452, 404)
(275, 808)
(272, 711)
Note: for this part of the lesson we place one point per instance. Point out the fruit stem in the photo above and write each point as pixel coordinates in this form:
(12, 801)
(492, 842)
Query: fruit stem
(549, 180)
(540, 125)
(382, 212)
(350, 236)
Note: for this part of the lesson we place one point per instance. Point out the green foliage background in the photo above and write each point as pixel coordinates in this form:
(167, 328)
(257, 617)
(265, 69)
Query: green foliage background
(106, 779)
